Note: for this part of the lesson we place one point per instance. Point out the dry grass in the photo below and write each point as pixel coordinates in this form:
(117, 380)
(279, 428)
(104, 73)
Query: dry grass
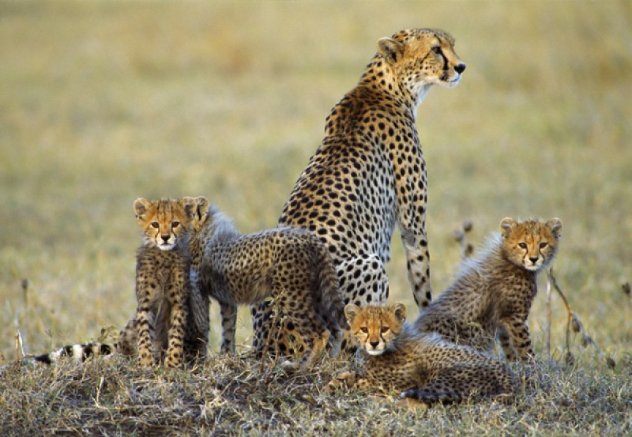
(102, 102)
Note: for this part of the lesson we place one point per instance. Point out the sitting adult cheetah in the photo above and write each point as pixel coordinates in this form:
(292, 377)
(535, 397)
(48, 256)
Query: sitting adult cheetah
(492, 294)
(392, 355)
(290, 264)
(369, 173)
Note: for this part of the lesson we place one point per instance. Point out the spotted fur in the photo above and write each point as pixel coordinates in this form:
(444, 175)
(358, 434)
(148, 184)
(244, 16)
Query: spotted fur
(393, 356)
(289, 265)
(492, 294)
(369, 173)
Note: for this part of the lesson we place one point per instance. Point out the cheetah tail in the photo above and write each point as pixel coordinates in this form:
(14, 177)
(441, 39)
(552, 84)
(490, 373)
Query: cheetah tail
(431, 396)
(77, 352)
(331, 302)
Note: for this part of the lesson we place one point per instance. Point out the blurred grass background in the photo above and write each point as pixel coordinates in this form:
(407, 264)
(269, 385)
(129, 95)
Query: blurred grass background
(102, 102)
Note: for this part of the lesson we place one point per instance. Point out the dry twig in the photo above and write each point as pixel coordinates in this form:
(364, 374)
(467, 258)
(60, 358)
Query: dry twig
(573, 323)
(467, 249)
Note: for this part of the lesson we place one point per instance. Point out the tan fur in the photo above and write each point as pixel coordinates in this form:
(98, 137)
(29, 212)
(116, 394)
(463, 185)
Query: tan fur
(492, 294)
(290, 264)
(394, 356)
(162, 325)
(369, 175)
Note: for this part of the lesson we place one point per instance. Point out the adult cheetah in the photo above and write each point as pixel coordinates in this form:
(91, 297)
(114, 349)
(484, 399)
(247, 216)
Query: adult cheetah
(369, 173)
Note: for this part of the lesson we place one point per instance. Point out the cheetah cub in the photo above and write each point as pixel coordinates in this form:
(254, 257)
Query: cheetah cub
(162, 327)
(288, 263)
(392, 355)
(493, 292)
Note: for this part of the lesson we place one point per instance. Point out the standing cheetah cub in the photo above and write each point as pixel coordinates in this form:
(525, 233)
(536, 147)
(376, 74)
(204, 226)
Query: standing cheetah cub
(395, 356)
(493, 292)
(288, 263)
(162, 324)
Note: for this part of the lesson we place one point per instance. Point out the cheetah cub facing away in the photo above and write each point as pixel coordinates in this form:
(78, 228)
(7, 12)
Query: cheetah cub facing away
(163, 326)
(493, 292)
(394, 356)
(290, 264)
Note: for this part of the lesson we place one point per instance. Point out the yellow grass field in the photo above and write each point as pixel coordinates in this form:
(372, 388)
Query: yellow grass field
(102, 102)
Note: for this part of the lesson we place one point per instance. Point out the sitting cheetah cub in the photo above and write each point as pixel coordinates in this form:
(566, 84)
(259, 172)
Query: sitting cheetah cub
(394, 356)
(493, 292)
(290, 264)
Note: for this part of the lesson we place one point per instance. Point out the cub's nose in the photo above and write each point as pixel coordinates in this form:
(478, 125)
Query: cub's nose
(460, 68)
(165, 238)
(533, 259)
(374, 344)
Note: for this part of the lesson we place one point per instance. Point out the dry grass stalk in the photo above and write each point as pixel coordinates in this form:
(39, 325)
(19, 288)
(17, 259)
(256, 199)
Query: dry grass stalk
(574, 323)
(467, 249)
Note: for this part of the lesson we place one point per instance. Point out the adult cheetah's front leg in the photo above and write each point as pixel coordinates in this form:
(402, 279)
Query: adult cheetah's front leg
(412, 192)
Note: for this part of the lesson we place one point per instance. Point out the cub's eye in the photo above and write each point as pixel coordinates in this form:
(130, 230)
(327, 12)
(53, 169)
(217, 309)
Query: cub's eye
(543, 245)
(522, 245)
(384, 329)
(175, 224)
(155, 225)
(437, 50)
(364, 329)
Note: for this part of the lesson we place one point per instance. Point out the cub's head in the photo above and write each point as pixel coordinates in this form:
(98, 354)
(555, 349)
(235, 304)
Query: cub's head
(165, 222)
(422, 57)
(530, 243)
(375, 327)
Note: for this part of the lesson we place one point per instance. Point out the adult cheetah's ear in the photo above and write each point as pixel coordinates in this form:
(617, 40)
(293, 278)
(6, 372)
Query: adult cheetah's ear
(390, 49)
(505, 226)
(555, 225)
(351, 311)
(141, 206)
(399, 309)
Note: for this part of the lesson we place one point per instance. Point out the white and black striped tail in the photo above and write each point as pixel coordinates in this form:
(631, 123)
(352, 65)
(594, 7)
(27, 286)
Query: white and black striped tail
(76, 352)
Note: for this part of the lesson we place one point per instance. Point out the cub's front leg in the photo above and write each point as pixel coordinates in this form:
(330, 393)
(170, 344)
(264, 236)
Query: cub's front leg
(177, 293)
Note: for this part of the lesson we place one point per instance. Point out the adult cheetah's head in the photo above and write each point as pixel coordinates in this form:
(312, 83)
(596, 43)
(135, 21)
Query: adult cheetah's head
(165, 223)
(531, 244)
(374, 327)
(420, 58)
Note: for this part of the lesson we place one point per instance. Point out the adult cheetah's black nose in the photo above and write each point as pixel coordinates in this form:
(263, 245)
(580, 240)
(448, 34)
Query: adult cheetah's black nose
(460, 68)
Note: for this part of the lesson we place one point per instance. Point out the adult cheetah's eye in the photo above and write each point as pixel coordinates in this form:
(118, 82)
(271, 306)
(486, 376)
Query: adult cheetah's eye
(437, 50)
(543, 244)
(175, 224)
(523, 245)
(155, 225)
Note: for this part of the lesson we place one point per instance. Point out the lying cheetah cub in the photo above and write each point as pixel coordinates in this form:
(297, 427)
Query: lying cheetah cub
(288, 263)
(492, 293)
(162, 326)
(394, 356)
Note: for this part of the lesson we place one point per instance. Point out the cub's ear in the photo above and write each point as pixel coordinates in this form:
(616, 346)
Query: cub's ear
(351, 311)
(141, 206)
(505, 226)
(555, 225)
(201, 209)
(190, 206)
(390, 49)
(399, 309)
